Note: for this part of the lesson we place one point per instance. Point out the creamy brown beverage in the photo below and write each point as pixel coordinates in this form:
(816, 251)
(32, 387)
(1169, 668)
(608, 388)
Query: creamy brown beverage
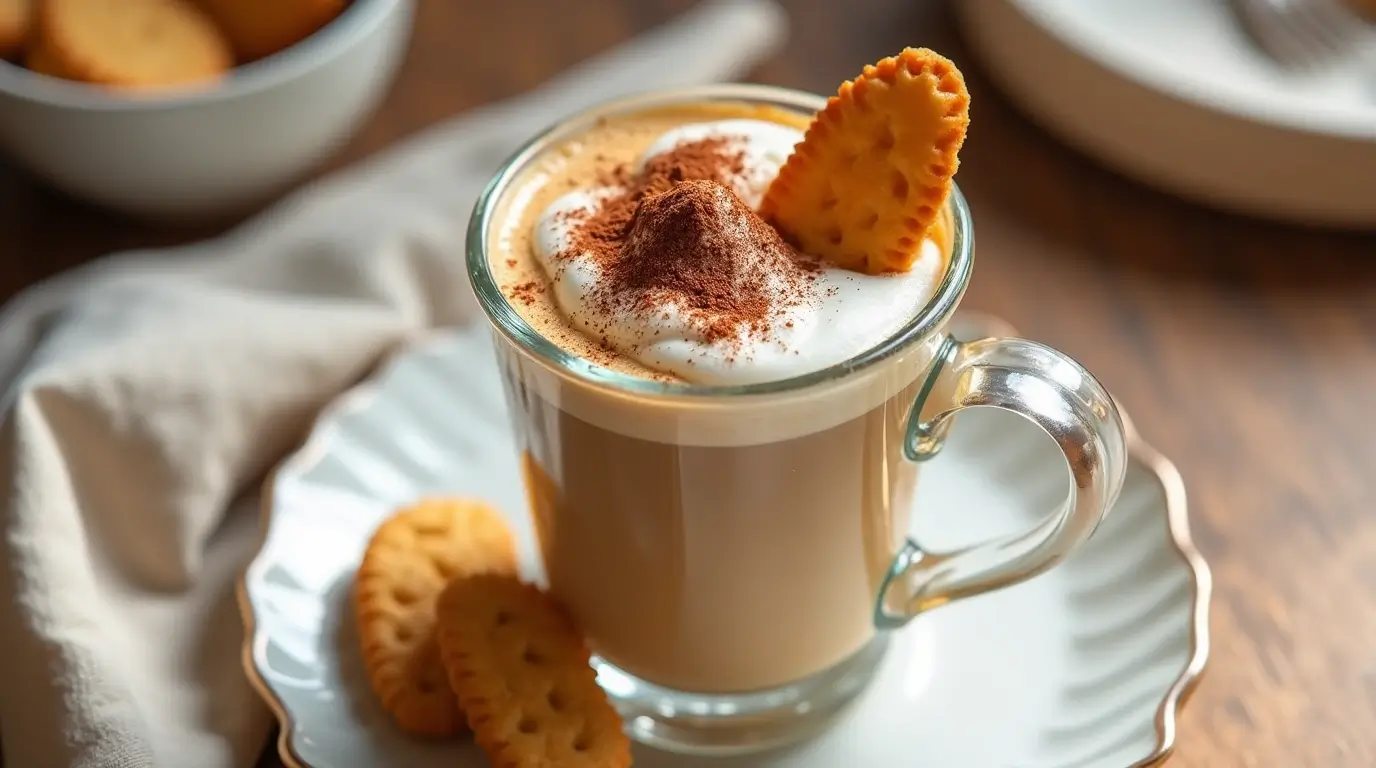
(705, 546)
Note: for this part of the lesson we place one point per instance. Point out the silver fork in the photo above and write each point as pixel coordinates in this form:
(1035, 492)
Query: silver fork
(1304, 34)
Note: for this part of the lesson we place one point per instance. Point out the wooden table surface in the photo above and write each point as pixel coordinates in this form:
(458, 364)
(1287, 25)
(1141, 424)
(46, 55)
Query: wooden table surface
(1244, 350)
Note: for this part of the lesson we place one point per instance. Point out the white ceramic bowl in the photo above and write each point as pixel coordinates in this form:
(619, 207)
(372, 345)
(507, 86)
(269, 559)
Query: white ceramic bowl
(211, 151)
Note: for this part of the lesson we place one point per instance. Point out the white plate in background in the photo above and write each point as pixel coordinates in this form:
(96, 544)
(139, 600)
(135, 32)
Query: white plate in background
(1173, 93)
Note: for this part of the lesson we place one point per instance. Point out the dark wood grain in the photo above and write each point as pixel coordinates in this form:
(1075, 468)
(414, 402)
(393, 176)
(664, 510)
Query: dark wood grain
(1244, 350)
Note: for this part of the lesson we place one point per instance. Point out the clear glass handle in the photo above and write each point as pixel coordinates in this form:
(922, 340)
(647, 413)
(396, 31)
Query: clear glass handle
(1056, 394)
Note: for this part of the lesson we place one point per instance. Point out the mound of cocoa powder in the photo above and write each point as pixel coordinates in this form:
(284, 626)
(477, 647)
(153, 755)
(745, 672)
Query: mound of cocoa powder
(679, 236)
(712, 159)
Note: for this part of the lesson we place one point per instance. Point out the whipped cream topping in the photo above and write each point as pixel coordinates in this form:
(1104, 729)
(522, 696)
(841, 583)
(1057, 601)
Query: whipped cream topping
(842, 314)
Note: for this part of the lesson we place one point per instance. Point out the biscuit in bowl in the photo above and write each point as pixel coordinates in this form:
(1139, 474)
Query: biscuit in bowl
(260, 28)
(14, 27)
(128, 43)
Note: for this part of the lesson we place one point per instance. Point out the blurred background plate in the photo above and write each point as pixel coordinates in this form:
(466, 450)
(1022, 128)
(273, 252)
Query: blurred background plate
(1174, 94)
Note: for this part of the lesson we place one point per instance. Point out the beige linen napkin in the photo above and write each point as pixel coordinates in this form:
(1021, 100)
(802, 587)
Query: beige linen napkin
(147, 394)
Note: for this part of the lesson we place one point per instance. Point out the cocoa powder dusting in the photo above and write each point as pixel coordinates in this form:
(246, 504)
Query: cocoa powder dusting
(698, 247)
(678, 236)
(712, 159)
(526, 292)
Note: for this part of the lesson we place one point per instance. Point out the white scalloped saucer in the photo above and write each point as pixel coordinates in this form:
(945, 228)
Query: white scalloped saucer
(1086, 666)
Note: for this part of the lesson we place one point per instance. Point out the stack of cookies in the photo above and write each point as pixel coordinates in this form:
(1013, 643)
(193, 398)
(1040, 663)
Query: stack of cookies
(453, 640)
(153, 43)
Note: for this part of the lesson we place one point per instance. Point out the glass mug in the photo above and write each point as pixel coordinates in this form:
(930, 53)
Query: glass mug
(736, 555)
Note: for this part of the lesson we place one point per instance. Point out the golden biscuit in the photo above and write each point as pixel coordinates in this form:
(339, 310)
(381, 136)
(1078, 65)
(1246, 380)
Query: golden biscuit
(259, 28)
(14, 27)
(521, 670)
(38, 59)
(874, 169)
(409, 559)
(129, 43)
